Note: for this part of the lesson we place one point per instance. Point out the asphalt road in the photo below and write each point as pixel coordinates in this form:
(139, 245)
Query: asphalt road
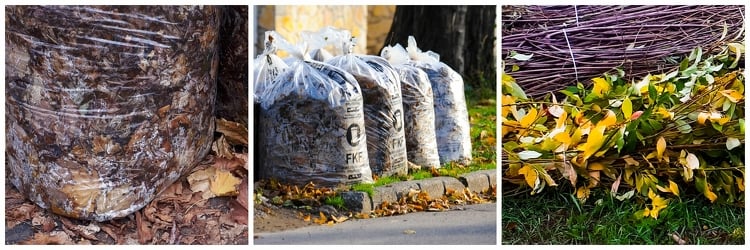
(475, 225)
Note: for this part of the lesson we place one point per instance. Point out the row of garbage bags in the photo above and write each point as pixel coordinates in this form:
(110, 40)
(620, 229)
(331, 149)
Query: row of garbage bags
(329, 116)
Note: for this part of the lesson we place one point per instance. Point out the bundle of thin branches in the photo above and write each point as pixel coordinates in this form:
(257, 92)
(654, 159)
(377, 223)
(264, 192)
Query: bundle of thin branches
(573, 43)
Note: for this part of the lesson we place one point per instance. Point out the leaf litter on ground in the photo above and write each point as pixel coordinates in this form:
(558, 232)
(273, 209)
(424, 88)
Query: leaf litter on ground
(184, 213)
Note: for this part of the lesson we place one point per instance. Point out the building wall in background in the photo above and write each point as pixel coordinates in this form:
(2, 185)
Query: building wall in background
(370, 24)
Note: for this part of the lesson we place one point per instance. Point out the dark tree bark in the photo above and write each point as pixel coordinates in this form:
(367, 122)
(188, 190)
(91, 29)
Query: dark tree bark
(464, 36)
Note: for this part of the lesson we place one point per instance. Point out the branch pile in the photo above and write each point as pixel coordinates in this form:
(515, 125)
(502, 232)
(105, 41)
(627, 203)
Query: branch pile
(637, 39)
(657, 137)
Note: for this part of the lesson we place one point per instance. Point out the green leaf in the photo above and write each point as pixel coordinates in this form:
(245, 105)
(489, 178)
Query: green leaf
(683, 126)
(684, 64)
(742, 125)
(652, 92)
(514, 68)
(515, 90)
(716, 126)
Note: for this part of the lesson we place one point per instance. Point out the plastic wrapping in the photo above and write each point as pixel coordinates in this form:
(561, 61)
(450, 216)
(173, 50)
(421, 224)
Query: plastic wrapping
(419, 112)
(107, 106)
(266, 67)
(451, 115)
(316, 42)
(384, 118)
(232, 82)
(313, 125)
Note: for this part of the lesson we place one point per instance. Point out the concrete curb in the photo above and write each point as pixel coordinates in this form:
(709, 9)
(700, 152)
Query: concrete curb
(477, 181)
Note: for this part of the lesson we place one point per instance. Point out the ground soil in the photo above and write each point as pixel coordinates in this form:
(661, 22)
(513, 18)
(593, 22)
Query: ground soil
(271, 218)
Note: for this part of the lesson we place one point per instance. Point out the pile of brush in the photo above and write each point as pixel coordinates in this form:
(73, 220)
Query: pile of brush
(568, 44)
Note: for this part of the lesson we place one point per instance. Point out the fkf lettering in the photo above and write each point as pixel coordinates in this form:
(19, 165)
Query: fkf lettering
(354, 158)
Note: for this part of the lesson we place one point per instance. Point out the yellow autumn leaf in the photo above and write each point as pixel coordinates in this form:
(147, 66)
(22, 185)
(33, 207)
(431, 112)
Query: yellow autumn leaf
(732, 95)
(710, 194)
(593, 143)
(657, 204)
(322, 219)
(529, 119)
(721, 121)
(560, 122)
(702, 116)
(609, 119)
(661, 145)
(665, 113)
(674, 188)
(596, 166)
(507, 99)
(224, 183)
(601, 86)
(563, 138)
(740, 183)
(627, 107)
(583, 193)
(529, 174)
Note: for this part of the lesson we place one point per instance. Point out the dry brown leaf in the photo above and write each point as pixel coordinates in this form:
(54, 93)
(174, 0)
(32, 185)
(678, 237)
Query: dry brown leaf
(434, 172)
(53, 238)
(339, 219)
(212, 229)
(222, 149)
(238, 212)
(45, 222)
(111, 232)
(242, 197)
(200, 182)
(362, 216)
(144, 229)
(18, 214)
(677, 239)
(242, 157)
(321, 220)
(236, 133)
(225, 164)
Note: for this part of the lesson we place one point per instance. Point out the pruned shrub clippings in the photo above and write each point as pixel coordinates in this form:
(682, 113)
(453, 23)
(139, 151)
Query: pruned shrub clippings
(658, 136)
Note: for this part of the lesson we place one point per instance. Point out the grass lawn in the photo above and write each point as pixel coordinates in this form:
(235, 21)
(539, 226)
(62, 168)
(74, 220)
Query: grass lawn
(556, 217)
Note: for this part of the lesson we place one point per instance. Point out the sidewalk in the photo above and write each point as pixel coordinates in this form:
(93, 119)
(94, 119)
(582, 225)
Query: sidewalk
(476, 181)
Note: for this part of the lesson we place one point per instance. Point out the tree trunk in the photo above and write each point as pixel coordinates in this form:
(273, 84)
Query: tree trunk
(464, 36)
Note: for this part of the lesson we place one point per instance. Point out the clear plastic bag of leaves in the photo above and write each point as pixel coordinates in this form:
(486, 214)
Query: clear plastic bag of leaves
(383, 108)
(107, 105)
(266, 67)
(313, 125)
(419, 112)
(452, 126)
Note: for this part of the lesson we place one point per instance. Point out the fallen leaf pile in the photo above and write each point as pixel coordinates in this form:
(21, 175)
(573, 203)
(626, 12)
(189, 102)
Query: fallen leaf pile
(419, 201)
(310, 200)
